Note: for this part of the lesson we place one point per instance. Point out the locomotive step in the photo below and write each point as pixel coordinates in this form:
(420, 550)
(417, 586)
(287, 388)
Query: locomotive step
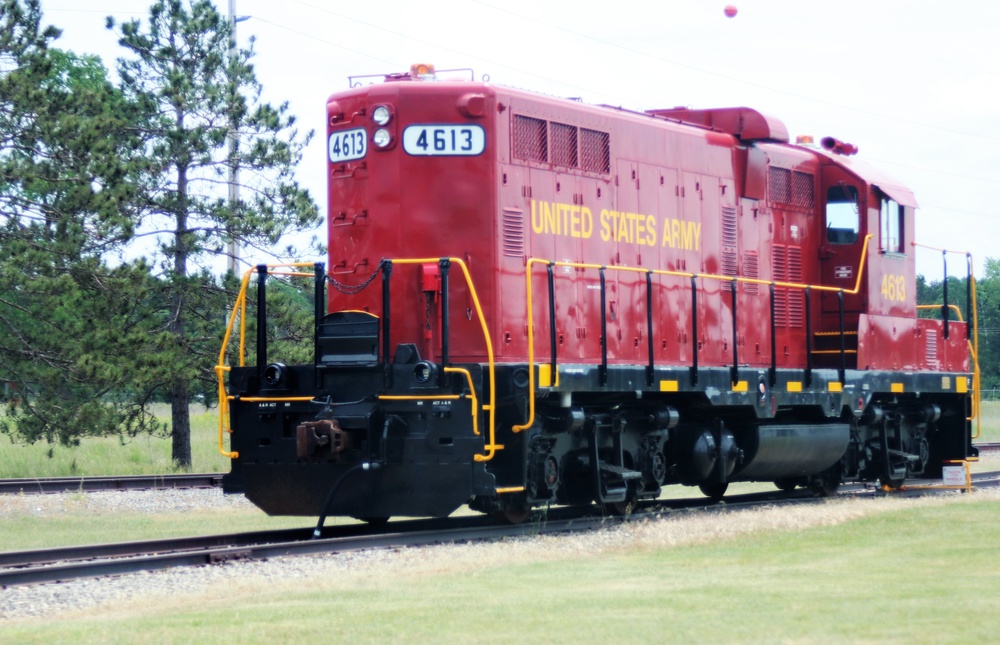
(621, 472)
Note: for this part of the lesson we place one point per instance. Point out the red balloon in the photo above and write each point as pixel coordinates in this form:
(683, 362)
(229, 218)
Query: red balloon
(730, 10)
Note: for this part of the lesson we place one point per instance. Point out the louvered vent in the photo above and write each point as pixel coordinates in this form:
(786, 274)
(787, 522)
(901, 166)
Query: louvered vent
(730, 258)
(931, 347)
(751, 269)
(796, 297)
(789, 304)
(513, 232)
(779, 270)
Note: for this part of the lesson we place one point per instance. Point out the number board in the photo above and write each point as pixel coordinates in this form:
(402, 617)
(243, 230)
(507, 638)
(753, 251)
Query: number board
(348, 145)
(445, 140)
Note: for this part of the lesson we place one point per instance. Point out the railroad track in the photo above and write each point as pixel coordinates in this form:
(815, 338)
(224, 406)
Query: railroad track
(987, 447)
(117, 482)
(68, 563)
(156, 482)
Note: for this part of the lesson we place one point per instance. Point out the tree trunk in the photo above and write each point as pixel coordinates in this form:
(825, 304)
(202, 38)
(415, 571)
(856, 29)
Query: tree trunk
(179, 395)
(181, 424)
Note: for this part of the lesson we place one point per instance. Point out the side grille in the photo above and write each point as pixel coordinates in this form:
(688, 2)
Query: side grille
(530, 138)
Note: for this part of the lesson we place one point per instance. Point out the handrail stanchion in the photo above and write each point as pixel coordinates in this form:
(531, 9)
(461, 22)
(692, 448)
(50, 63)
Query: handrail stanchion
(386, 321)
(734, 371)
(809, 361)
(649, 326)
(603, 372)
(944, 290)
(773, 372)
(261, 319)
(842, 372)
(552, 320)
(694, 330)
(319, 306)
(445, 265)
(968, 294)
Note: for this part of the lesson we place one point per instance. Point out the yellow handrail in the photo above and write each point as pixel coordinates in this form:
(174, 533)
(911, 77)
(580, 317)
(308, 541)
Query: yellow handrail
(492, 446)
(240, 309)
(680, 274)
(974, 341)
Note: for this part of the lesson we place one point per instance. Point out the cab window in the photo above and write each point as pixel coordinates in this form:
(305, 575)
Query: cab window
(842, 218)
(890, 225)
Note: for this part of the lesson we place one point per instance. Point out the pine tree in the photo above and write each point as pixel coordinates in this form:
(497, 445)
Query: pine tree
(196, 95)
(73, 330)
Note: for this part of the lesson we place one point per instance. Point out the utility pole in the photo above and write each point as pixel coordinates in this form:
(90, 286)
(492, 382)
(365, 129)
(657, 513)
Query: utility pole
(234, 173)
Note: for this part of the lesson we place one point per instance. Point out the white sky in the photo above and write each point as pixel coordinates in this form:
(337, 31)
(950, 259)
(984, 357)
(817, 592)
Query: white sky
(915, 84)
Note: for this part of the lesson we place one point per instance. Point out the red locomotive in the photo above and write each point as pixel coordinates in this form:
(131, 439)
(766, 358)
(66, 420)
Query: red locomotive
(536, 301)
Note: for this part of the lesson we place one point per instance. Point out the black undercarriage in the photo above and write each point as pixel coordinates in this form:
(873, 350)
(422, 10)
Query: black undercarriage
(374, 440)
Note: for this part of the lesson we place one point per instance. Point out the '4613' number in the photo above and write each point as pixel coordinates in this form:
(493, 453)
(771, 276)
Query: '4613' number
(893, 287)
(444, 140)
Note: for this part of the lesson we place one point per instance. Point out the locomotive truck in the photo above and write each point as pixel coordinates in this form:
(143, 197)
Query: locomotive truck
(533, 301)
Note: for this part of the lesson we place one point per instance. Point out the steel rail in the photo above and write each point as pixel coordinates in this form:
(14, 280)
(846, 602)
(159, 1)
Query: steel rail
(36, 567)
(68, 563)
(114, 482)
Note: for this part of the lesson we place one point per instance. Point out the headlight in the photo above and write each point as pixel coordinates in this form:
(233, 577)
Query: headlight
(275, 374)
(381, 115)
(382, 137)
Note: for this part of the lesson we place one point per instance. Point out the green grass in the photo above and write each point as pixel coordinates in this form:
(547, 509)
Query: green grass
(989, 420)
(918, 575)
(77, 523)
(142, 455)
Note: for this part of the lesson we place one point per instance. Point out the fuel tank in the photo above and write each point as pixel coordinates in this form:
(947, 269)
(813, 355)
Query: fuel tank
(784, 451)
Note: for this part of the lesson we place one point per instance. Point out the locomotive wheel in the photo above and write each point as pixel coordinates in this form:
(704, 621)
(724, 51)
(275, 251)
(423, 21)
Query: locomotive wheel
(827, 482)
(713, 490)
(894, 484)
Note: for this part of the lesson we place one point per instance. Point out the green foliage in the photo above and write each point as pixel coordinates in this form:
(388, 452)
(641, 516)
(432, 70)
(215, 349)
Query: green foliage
(74, 332)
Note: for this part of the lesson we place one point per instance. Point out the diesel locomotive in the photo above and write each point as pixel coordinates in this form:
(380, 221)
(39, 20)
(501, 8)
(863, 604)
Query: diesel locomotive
(532, 301)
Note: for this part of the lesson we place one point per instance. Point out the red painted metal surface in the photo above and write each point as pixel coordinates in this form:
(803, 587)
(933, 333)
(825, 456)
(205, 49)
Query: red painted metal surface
(717, 192)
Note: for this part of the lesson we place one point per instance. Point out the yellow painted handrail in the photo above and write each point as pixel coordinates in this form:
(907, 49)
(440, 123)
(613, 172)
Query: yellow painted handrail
(680, 274)
(492, 446)
(973, 342)
(240, 310)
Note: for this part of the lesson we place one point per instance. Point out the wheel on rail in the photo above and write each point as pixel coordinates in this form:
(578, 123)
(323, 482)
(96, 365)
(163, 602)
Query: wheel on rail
(892, 483)
(827, 482)
(713, 490)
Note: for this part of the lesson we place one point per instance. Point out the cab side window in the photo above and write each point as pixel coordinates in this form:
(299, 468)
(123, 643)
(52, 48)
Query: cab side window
(842, 218)
(890, 226)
